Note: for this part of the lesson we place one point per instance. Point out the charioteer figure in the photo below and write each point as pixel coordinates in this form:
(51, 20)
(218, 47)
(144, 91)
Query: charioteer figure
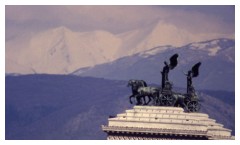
(166, 69)
(194, 72)
(164, 96)
(191, 100)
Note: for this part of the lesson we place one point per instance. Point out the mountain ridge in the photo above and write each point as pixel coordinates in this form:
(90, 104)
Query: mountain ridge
(62, 51)
(217, 70)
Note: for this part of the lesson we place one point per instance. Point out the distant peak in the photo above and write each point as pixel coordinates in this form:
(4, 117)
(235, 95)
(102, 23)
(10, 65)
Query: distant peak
(161, 23)
(62, 29)
(102, 32)
(214, 41)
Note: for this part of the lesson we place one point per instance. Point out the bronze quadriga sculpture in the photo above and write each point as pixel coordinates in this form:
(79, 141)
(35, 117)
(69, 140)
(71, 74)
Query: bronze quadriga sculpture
(164, 96)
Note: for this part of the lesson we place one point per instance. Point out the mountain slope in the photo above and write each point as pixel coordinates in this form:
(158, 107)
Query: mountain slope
(216, 72)
(61, 107)
(61, 51)
(71, 107)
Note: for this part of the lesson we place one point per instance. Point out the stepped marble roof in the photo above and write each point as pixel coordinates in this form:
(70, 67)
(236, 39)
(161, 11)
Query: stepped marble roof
(166, 120)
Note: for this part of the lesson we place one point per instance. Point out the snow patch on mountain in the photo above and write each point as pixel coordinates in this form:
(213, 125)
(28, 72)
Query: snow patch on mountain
(216, 72)
(62, 51)
(213, 51)
(153, 51)
(212, 47)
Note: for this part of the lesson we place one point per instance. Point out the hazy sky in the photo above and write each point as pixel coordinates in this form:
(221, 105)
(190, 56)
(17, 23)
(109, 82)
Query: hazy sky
(118, 19)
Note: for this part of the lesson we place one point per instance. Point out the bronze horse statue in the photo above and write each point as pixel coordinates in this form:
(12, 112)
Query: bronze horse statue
(164, 96)
(141, 90)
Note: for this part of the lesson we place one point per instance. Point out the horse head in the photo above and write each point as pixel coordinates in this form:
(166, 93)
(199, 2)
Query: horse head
(131, 83)
(143, 83)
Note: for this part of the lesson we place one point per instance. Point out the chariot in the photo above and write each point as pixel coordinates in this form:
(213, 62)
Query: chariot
(164, 96)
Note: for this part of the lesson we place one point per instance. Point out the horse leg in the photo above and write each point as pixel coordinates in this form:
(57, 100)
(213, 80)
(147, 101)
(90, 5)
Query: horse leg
(144, 100)
(184, 105)
(138, 97)
(154, 97)
(130, 99)
(149, 99)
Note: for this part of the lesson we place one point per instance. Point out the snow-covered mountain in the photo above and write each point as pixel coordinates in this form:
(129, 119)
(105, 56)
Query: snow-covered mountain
(216, 72)
(62, 51)
(160, 34)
